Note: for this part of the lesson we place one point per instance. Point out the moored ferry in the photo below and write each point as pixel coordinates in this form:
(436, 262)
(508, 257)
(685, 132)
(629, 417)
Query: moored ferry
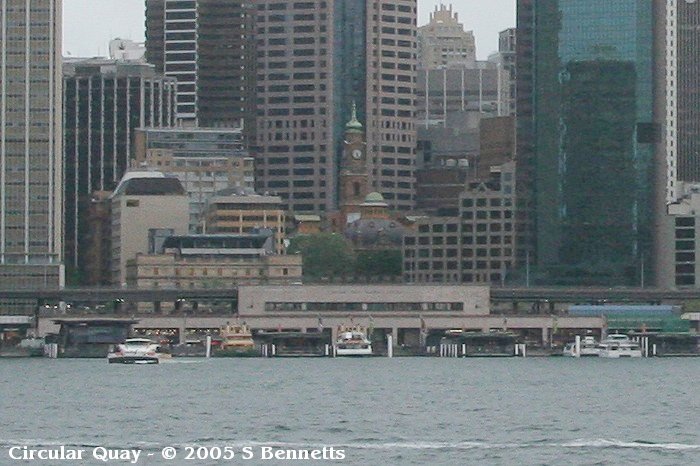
(236, 340)
(353, 341)
(619, 346)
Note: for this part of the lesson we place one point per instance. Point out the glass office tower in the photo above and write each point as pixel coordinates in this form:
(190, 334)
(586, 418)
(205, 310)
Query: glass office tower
(593, 139)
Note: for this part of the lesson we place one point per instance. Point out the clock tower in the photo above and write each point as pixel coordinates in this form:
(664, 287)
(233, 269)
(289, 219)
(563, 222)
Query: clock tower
(354, 175)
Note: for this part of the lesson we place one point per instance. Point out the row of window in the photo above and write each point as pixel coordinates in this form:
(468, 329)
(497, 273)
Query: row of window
(363, 306)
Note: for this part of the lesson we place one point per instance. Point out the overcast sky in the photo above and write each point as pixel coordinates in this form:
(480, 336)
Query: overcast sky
(90, 24)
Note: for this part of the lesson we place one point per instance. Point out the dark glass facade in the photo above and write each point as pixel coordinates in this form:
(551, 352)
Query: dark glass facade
(593, 140)
(349, 69)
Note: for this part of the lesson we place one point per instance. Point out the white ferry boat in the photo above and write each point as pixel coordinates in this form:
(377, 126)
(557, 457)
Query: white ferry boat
(588, 347)
(135, 351)
(619, 346)
(353, 341)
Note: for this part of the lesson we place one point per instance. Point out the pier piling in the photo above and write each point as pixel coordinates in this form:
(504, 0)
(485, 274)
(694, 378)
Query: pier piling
(577, 349)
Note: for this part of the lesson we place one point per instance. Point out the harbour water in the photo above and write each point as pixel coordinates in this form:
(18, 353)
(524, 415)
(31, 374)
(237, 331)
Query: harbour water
(378, 411)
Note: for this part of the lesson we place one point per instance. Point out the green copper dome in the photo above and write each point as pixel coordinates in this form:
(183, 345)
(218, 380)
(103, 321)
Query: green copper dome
(374, 197)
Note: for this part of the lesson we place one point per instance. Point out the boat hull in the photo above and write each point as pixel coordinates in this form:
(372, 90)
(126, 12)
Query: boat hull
(620, 354)
(133, 359)
(353, 352)
(237, 352)
(585, 353)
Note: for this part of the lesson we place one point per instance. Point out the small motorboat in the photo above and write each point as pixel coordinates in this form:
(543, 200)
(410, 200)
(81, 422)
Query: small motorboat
(136, 351)
(588, 347)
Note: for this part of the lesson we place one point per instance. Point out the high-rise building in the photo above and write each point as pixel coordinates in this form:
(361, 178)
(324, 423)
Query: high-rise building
(677, 112)
(505, 61)
(443, 42)
(473, 90)
(681, 28)
(105, 101)
(592, 138)
(315, 59)
(207, 46)
(31, 171)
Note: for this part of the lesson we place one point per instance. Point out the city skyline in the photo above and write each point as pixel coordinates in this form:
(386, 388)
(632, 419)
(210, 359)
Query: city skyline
(125, 19)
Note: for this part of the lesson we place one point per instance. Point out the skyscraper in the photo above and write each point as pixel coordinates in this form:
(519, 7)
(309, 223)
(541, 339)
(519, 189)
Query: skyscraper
(30, 144)
(105, 101)
(443, 42)
(591, 134)
(315, 59)
(677, 114)
(681, 28)
(207, 46)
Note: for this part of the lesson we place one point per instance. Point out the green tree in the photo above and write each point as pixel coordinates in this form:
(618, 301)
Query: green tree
(379, 262)
(324, 255)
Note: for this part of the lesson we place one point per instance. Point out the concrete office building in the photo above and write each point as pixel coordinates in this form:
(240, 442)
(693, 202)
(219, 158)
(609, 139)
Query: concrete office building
(315, 59)
(450, 158)
(442, 92)
(207, 46)
(146, 208)
(680, 26)
(677, 112)
(105, 101)
(205, 160)
(212, 261)
(31, 170)
(475, 246)
(238, 211)
(443, 42)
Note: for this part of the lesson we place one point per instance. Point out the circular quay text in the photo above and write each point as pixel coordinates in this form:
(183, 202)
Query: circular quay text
(186, 453)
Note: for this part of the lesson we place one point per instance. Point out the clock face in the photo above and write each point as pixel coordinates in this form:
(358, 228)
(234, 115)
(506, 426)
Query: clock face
(357, 154)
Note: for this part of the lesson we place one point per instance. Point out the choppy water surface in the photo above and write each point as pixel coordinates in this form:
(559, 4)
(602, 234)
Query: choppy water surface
(379, 411)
